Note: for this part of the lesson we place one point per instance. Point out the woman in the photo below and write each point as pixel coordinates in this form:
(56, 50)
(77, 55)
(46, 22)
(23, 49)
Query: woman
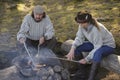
(91, 37)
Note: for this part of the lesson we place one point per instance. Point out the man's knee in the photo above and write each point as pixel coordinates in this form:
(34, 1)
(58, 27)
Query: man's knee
(51, 43)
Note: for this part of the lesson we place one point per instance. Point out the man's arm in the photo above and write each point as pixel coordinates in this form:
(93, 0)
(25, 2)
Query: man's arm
(49, 30)
(23, 29)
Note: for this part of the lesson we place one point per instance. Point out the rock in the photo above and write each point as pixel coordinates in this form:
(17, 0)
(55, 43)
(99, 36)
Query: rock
(50, 78)
(51, 71)
(27, 72)
(57, 76)
(43, 72)
(67, 45)
(65, 74)
(44, 77)
(57, 68)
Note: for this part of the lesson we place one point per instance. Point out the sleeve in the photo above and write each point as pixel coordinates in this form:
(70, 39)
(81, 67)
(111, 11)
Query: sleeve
(23, 29)
(97, 42)
(49, 30)
(79, 38)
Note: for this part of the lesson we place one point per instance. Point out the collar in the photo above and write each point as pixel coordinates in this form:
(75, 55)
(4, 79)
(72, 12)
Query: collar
(89, 28)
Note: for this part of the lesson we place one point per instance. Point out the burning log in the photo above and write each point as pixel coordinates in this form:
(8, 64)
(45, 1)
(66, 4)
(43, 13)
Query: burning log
(112, 62)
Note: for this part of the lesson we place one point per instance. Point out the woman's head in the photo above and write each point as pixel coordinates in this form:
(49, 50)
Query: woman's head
(84, 18)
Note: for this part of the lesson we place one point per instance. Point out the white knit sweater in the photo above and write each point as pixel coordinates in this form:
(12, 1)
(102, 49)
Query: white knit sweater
(35, 30)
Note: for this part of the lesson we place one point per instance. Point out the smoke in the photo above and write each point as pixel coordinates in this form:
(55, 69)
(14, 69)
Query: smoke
(43, 57)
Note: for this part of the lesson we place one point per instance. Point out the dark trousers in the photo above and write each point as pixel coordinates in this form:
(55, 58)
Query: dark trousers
(48, 43)
(34, 44)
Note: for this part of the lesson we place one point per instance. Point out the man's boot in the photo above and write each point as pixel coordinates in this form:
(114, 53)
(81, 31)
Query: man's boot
(93, 71)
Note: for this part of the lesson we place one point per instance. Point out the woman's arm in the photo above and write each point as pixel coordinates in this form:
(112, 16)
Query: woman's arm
(78, 41)
(96, 40)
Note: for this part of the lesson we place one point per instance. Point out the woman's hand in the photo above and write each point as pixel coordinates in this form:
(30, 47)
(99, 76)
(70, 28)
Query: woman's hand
(83, 61)
(70, 55)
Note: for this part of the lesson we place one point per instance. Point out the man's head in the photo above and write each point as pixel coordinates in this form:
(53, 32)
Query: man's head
(38, 13)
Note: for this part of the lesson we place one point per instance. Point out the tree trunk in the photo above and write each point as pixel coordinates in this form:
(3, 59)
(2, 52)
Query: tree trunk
(111, 62)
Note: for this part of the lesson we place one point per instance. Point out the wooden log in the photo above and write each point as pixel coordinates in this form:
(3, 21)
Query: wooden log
(111, 62)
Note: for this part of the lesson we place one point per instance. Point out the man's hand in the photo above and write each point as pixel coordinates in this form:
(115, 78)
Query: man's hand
(42, 40)
(22, 40)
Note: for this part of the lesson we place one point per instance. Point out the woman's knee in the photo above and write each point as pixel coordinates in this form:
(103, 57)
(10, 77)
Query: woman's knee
(85, 47)
(97, 56)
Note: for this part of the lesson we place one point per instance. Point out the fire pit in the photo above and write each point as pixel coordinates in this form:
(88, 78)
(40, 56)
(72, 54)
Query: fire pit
(44, 69)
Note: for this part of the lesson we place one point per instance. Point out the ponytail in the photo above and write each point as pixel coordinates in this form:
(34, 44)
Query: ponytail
(95, 23)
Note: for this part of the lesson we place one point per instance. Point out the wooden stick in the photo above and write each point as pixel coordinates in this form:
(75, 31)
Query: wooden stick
(63, 59)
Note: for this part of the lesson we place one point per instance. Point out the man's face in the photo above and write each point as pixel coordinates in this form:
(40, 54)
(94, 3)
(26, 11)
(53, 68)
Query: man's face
(38, 17)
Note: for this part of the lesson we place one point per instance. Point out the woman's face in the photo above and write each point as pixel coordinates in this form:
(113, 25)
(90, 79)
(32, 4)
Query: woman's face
(38, 17)
(84, 25)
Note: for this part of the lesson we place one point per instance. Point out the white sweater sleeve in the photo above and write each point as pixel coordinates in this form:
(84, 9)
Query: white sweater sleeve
(49, 30)
(23, 29)
(97, 42)
(79, 38)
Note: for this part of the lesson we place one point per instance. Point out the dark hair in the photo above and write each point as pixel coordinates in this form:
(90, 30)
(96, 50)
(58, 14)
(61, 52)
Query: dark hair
(44, 14)
(84, 16)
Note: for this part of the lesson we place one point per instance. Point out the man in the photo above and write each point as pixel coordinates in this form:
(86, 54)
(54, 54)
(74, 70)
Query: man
(36, 28)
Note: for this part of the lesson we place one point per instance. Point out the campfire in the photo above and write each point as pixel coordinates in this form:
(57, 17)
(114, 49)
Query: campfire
(44, 66)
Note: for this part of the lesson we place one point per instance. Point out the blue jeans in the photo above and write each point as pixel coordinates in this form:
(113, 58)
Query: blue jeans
(99, 53)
